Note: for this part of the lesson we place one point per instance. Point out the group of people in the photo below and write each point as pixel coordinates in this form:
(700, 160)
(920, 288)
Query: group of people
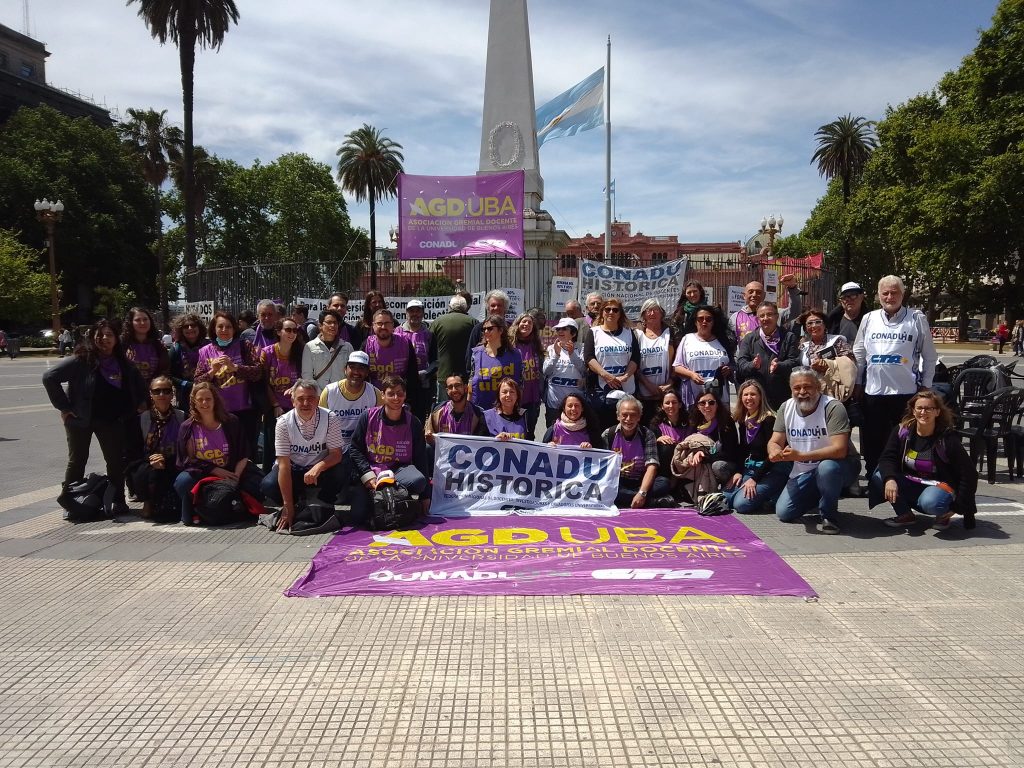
(337, 406)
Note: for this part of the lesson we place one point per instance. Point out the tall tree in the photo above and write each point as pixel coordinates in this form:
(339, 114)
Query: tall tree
(368, 167)
(108, 218)
(844, 147)
(188, 23)
(156, 144)
(205, 174)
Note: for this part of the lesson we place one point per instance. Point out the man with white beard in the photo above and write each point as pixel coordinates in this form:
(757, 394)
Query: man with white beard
(813, 431)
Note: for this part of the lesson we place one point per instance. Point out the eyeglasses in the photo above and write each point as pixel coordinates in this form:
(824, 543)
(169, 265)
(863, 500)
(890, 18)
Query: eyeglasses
(706, 402)
(288, 329)
(924, 408)
(162, 391)
(703, 320)
(612, 309)
(810, 323)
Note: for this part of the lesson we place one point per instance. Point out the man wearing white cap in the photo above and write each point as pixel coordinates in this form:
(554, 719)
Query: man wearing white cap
(845, 319)
(417, 334)
(351, 397)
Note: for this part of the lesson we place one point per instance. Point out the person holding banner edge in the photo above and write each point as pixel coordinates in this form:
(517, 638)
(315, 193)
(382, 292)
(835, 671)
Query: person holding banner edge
(388, 438)
(507, 420)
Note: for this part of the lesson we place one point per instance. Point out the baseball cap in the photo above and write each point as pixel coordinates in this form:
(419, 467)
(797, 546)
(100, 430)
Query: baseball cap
(414, 303)
(850, 288)
(565, 322)
(359, 358)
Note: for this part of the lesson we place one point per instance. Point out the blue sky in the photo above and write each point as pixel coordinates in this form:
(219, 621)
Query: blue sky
(714, 102)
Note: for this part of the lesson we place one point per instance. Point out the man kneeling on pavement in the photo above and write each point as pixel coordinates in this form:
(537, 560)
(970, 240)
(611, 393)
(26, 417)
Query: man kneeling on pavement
(813, 431)
(307, 444)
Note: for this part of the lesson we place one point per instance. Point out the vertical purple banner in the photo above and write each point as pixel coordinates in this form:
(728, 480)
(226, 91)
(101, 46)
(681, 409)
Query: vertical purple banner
(454, 216)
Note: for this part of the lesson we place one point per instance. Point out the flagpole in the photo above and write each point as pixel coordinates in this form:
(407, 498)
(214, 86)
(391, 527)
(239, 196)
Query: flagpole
(608, 154)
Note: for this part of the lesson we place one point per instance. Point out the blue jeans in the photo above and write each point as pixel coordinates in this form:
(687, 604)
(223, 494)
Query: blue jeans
(927, 499)
(765, 492)
(629, 488)
(820, 488)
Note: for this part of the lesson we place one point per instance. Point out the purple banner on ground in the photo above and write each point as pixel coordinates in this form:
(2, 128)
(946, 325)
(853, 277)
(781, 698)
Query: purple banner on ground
(454, 216)
(640, 552)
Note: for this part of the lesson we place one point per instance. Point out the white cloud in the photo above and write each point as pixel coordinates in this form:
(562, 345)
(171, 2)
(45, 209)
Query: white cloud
(714, 104)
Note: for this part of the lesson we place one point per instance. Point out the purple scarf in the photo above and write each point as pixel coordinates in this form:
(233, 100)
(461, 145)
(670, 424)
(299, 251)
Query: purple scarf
(771, 342)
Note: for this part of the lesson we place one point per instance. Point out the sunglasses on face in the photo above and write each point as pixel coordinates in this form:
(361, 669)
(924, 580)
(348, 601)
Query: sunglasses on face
(612, 309)
(186, 326)
(287, 329)
(161, 391)
(487, 328)
(704, 320)
(705, 402)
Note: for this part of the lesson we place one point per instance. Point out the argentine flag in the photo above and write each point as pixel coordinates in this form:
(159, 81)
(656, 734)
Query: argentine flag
(578, 109)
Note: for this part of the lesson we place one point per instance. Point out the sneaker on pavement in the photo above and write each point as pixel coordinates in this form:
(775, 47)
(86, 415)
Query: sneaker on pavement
(828, 527)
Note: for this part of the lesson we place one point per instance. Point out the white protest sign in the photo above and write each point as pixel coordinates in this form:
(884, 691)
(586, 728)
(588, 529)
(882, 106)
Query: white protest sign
(771, 284)
(736, 300)
(634, 285)
(433, 306)
(563, 289)
(481, 475)
(204, 309)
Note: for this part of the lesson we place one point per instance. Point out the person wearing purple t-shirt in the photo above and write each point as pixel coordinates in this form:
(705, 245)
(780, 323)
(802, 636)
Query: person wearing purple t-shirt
(416, 333)
(524, 336)
(282, 365)
(232, 365)
(491, 361)
(388, 438)
(391, 355)
(211, 443)
(639, 481)
(142, 345)
(575, 425)
(506, 420)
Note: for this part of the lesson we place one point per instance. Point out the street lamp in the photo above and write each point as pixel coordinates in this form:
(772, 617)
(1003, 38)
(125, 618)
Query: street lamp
(51, 213)
(771, 226)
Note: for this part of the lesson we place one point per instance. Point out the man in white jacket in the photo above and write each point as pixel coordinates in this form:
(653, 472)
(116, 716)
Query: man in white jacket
(324, 358)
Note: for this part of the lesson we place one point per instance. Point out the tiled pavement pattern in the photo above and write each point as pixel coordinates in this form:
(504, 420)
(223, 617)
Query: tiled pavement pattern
(911, 657)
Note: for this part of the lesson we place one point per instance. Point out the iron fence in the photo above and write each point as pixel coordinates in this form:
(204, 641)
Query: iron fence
(241, 287)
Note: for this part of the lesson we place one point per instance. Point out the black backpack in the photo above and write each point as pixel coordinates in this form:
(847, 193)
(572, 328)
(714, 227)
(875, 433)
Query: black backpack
(87, 499)
(393, 507)
(220, 503)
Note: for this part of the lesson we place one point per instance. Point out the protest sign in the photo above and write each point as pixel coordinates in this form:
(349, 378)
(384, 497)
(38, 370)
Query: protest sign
(634, 285)
(204, 309)
(481, 475)
(459, 216)
(563, 289)
(736, 300)
(643, 552)
(433, 306)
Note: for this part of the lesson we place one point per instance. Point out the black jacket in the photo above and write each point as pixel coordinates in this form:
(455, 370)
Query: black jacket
(952, 464)
(775, 384)
(81, 380)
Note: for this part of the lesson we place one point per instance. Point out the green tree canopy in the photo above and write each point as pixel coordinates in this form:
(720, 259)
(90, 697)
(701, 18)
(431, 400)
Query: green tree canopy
(24, 285)
(108, 224)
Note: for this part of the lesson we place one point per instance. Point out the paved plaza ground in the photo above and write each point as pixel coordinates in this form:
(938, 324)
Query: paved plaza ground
(133, 644)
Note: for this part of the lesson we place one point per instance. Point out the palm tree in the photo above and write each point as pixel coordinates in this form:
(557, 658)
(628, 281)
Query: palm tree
(205, 173)
(368, 167)
(844, 148)
(187, 23)
(156, 144)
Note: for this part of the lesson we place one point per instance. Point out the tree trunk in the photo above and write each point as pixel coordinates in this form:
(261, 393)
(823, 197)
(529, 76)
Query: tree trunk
(187, 57)
(846, 239)
(161, 280)
(373, 243)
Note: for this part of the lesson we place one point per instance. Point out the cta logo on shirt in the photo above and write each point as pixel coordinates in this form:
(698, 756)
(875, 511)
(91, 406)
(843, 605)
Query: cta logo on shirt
(888, 360)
